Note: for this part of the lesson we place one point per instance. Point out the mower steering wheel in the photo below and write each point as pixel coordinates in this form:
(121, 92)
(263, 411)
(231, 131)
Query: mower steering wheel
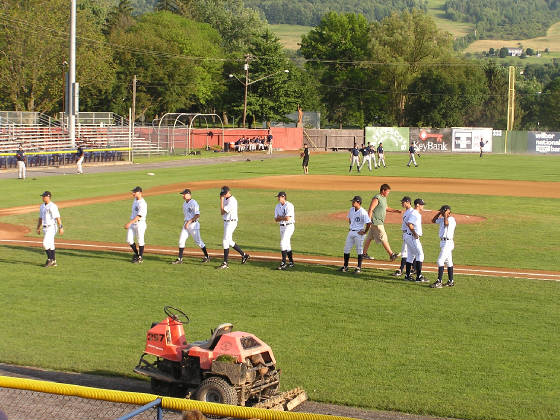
(177, 314)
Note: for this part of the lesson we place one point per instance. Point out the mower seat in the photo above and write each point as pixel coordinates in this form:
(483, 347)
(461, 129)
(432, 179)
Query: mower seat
(212, 341)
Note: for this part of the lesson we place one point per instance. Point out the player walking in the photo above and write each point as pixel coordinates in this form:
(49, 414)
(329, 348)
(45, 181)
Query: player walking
(80, 155)
(228, 208)
(447, 226)
(412, 152)
(136, 227)
(49, 220)
(359, 225)
(366, 157)
(20, 159)
(305, 156)
(284, 214)
(381, 155)
(377, 211)
(354, 158)
(412, 237)
(191, 226)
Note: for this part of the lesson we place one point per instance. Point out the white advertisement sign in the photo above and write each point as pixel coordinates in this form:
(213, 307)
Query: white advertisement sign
(469, 140)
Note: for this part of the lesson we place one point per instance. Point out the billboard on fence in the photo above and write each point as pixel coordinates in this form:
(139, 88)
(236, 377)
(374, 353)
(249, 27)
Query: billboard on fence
(431, 140)
(467, 139)
(394, 139)
(543, 142)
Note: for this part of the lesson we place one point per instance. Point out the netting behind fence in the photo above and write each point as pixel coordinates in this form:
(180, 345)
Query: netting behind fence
(20, 404)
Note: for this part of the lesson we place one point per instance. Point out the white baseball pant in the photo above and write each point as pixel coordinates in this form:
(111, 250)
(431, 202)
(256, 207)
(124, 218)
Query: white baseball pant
(21, 169)
(229, 228)
(445, 253)
(136, 230)
(368, 160)
(355, 161)
(382, 159)
(354, 239)
(79, 164)
(286, 233)
(404, 249)
(48, 236)
(194, 232)
(415, 251)
(411, 160)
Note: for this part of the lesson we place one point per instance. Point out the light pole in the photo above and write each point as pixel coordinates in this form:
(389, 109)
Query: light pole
(248, 83)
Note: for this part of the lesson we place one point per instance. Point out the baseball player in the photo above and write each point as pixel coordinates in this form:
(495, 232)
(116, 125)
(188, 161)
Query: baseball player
(136, 227)
(354, 158)
(359, 225)
(377, 211)
(412, 152)
(407, 208)
(191, 226)
(381, 155)
(80, 154)
(20, 159)
(49, 220)
(305, 156)
(366, 157)
(447, 226)
(482, 144)
(228, 208)
(412, 237)
(284, 214)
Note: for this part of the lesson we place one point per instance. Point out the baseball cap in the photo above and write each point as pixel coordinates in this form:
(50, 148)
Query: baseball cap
(419, 201)
(185, 191)
(406, 198)
(225, 190)
(357, 199)
(444, 208)
(281, 194)
(136, 189)
(46, 194)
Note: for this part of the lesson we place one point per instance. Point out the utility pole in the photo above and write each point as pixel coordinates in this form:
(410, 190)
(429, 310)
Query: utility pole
(246, 68)
(511, 103)
(72, 98)
(133, 102)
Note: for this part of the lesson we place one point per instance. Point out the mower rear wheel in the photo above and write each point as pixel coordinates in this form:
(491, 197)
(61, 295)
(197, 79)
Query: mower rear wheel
(216, 390)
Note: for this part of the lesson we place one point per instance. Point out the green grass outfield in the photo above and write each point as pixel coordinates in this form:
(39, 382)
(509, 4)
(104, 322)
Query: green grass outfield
(484, 349)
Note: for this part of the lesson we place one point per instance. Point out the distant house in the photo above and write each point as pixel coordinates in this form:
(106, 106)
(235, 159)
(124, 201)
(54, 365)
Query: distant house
(515, 52)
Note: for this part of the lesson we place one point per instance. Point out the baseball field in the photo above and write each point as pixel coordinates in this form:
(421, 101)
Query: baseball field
(486, 348)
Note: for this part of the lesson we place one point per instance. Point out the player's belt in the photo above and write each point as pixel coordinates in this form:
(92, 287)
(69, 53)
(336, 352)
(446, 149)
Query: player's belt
(446, 239)
(232, 220)
(355, 230)
(408, 233)
(286, 224)
(47, 226)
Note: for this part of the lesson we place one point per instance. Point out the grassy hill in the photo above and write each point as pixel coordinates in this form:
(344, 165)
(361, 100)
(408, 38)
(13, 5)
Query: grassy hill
(290, 35)
(457, 29)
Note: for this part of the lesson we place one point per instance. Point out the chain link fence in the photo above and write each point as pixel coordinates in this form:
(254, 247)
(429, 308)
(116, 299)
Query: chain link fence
(20, 404)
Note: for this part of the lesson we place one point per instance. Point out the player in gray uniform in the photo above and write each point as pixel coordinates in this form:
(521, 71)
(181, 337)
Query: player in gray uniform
(412, 152)
(50, 222)
(191, 226)
(228, 209)
(447, 226)
(367, 153)
(284, 214)
(136, 227)
(412, 237)
(354, 158)
(359, 222)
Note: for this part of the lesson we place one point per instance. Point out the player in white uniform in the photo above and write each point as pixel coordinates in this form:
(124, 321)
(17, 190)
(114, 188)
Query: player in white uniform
(359, 225)
(49, 220)
(412, 236)
(191, 226)
(136, 227)
(228, 208)
(447, 226)
(284, 214)
(407, 209)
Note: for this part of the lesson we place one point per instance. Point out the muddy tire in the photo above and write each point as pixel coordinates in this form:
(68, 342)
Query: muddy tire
(216, 390)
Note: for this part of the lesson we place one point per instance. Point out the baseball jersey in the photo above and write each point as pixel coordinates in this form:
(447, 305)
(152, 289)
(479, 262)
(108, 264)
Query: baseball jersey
(379, 150)
(380, 211)
(190, 209)
(365, 151)
(405, 215)
(80, 151)
(358, 218)
(446, 232)
(48, 214)
(412, 149)
(355, 152)
(20, 156)
(230, 207)
(139, 208)
(285, 210)
(415, 219)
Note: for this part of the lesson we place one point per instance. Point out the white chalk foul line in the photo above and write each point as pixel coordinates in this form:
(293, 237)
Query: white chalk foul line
(315, 260)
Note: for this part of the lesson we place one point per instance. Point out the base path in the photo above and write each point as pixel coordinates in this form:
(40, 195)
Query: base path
(16, 235)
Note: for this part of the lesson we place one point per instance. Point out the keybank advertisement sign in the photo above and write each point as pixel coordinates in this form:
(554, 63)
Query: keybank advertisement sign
(431, 140)
(543, 142)
(468, 139)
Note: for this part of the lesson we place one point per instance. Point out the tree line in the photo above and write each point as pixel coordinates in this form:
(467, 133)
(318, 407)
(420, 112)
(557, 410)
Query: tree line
(400, 70)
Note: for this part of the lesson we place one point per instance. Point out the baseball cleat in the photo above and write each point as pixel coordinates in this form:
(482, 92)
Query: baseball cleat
(205, 259)
(421, 279)
(223, 266)
(139, 260)
(291, 265)
(343, 269)
(134, 258)
(282, 266)
(47, 263)
(244, 258)
(450, 283)
(357, 270)
(436, 285)
(408, 278)
(177, 261)
(397, 272)
(367, 257)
